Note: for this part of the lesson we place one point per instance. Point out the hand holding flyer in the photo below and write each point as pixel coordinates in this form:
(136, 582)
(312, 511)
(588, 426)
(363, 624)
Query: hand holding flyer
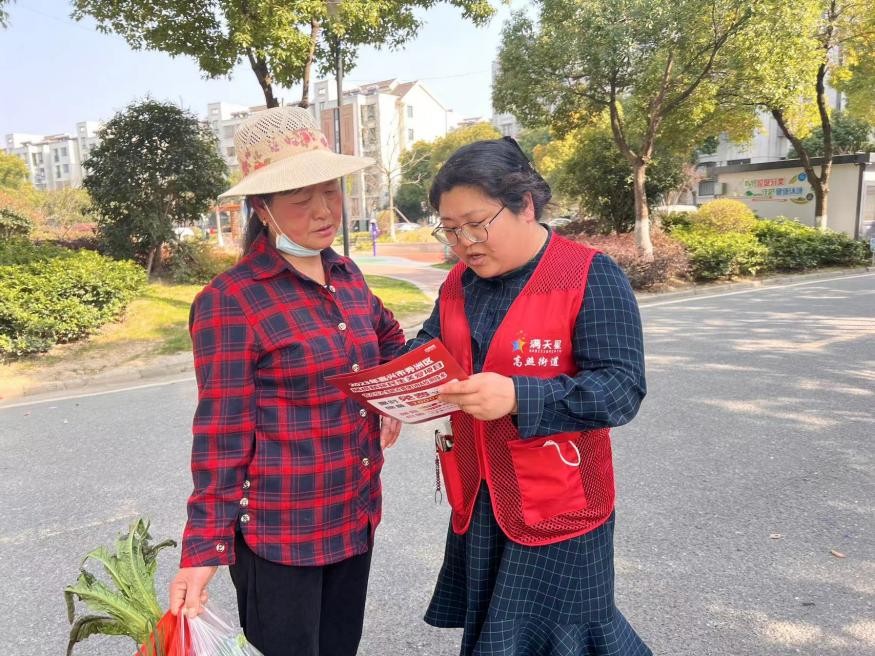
(406, 387)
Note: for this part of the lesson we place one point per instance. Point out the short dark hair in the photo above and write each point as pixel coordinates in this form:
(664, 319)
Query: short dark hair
(498, 167)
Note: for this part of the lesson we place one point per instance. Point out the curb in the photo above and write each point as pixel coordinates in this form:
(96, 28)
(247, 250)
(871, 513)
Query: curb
(182, 363)
(710, 289)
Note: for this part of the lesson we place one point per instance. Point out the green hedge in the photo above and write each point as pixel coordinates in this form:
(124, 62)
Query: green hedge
(796, 247)
(721, 255)
(50, 300)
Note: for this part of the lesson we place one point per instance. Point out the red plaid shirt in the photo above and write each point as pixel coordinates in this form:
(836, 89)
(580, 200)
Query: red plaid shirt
(278, 452)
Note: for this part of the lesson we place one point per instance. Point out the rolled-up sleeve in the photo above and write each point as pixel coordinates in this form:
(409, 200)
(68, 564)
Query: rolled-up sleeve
(223, 429)
(609, 350)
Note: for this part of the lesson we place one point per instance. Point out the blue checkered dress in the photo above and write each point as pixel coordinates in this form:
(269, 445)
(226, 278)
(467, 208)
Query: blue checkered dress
(554, 600)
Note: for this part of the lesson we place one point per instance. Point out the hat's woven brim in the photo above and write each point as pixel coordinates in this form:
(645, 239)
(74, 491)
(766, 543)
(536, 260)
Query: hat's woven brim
(298, 171)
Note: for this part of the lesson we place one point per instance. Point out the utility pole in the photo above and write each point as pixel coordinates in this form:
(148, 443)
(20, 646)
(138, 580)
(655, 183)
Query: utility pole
(333, 12)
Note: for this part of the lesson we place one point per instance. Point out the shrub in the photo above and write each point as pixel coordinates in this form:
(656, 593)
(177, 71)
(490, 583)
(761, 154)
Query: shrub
(13, 224)
(22, 251)
(796, 247)
(195, 262)
(669, 258)
(725, 215)
(54, 298)
(672, 220)
(714, 255)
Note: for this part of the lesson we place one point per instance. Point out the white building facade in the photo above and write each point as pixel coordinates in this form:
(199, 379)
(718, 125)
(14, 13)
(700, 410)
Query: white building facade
(54, 161)
(381, 120)
(223, 119)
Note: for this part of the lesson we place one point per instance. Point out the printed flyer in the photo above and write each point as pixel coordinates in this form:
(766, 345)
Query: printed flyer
(406, 387)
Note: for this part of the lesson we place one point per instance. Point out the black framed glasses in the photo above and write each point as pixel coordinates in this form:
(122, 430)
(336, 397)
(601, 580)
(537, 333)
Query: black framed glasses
(475, 232)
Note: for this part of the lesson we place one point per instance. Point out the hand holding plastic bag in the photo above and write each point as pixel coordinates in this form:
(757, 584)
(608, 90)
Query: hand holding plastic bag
(210, 635)
(205, 635)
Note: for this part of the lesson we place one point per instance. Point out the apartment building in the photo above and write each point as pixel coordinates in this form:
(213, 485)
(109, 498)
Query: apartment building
(223, 119)
(379, 120)
(54, 161)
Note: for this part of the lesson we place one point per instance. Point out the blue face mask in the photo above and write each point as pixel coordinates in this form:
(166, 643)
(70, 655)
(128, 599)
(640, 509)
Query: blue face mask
(286, 245)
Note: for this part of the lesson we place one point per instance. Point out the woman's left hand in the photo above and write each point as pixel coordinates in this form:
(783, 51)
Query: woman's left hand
(484, 396)
(390, 428)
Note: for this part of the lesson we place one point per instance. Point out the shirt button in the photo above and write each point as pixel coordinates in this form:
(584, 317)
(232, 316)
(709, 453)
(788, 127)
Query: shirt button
(363, 413)
(220, 547)
(331, 288)
(244, 518)
(341, 326)
(246, 485)
(244, 502)
(366, 461)
(355, 367)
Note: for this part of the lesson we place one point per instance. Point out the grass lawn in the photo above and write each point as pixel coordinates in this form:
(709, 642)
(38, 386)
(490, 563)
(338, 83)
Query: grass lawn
(156, 324)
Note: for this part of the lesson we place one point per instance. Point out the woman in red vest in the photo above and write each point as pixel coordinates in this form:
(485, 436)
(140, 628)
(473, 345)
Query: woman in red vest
(550, 334)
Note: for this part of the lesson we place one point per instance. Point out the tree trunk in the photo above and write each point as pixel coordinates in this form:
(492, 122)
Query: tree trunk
(819, 183)
(821, 200)
(642, 213)
(639, 176)
(391, 207)
(259, 66)
(315, 28)
(150, 260)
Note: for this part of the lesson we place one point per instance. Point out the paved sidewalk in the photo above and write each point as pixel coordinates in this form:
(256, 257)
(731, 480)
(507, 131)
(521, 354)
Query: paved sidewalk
(425, 276)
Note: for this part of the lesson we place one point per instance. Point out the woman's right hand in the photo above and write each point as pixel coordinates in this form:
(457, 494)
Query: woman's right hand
(188, 590)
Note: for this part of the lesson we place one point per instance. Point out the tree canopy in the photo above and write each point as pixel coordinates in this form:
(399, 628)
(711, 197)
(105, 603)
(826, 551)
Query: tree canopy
(280, 40)
(13, 171)
(587, 168)
(156, 167)
(422, 161)
(658, 67)
(815, 43)
(849, 135)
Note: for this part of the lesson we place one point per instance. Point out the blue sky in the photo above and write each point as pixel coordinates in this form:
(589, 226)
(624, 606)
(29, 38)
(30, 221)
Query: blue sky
(55, 71)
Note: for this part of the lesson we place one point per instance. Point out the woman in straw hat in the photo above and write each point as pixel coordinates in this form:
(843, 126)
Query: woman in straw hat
(550, 333)
(286, 469)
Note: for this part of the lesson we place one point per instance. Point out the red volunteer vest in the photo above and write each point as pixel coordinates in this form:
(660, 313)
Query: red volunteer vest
(544, 489)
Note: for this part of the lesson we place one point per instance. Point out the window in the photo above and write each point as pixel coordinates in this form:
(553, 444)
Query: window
(57, 170)
(733, 162)
(230, 151)
(410, 135)
(409, 111)
(33, 158)
(707, 187)
(64, 151)
(66, 168)
(229, 131)
(57, 159)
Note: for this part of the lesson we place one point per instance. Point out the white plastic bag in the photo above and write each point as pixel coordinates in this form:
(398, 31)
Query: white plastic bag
(210, 635)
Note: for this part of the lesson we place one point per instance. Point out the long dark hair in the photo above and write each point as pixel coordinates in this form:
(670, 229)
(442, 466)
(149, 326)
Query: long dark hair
(500, 168)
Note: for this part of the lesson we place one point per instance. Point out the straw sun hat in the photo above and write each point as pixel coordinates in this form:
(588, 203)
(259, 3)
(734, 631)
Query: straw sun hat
(282, 148)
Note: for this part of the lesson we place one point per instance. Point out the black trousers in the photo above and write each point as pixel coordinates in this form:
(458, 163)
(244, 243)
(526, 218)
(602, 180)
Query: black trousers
(301, 611)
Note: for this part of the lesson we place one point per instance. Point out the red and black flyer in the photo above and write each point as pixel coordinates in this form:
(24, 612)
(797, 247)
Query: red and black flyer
(406, 387)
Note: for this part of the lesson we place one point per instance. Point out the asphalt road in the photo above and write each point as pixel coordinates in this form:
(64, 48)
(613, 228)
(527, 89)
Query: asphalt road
(750, 463)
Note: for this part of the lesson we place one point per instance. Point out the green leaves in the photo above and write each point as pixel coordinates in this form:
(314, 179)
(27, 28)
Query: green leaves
(156, 167)
(132, 608)
(275, 36)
